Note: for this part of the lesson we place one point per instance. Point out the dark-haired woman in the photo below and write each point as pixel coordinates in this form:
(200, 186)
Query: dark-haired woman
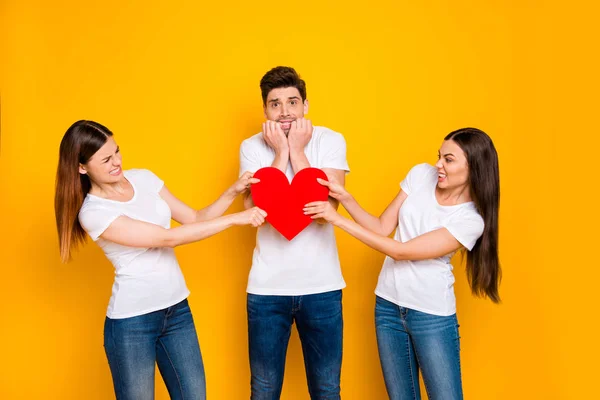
(128, 213)
(440, 209)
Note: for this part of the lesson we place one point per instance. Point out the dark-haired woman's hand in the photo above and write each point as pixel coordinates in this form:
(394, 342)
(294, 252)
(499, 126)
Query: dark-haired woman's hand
(324, 210)
(336, 190)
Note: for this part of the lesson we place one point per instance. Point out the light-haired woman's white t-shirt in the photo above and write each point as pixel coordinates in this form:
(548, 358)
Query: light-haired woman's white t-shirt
(427, 285)
(146, 279)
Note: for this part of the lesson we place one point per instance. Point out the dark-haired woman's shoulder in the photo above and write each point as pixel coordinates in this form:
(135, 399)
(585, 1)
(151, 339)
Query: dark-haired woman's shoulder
(418, 176)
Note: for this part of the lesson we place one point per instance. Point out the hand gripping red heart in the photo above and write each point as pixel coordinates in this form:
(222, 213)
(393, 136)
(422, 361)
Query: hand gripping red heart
(284, 202)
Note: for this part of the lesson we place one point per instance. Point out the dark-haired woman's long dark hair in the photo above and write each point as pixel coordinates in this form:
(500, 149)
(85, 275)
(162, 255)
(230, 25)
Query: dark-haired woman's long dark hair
(483, 265)
(81, 141)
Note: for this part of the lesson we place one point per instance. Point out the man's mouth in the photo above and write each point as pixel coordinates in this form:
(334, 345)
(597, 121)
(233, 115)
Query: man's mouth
(286, 124)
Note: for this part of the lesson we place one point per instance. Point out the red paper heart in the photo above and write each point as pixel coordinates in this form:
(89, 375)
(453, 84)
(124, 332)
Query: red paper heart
(284, 202)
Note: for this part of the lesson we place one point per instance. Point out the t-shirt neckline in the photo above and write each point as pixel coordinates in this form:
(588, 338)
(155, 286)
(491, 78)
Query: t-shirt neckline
(117, 201)
(437, 203)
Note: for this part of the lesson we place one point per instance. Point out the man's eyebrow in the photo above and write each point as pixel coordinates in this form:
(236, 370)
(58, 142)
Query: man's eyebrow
(294, 98)
(449, 154)
(273, 100)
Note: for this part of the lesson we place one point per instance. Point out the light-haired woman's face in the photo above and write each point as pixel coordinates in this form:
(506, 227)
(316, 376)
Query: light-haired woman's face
(105, 165)
(452, 166)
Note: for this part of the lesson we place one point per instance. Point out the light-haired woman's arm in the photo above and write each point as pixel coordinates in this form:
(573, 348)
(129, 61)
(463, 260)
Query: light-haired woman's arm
(130, 232)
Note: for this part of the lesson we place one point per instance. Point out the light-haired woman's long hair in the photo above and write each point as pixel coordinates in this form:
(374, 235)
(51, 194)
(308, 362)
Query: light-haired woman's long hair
(81, 141)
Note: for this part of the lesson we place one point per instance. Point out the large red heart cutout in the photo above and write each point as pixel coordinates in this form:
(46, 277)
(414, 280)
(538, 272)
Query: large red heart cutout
(284, 202)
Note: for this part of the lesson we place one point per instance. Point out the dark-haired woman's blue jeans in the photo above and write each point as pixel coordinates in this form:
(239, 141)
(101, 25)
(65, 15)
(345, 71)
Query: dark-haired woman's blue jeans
(410, 341)
(166, 337)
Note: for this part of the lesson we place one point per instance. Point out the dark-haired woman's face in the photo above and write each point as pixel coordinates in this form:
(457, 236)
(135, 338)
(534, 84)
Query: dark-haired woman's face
(105, 165)
(452, 166)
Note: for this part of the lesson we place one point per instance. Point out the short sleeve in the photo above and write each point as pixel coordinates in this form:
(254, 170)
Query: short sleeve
(151, 181)
(333, 147)
(466, 226)
(416, 177)
(249, 160)
(95, 220)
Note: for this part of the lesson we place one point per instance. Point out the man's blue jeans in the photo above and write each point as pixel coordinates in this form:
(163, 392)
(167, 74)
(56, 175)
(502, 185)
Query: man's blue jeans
(319, 321)
(410, 341)
(166, 337)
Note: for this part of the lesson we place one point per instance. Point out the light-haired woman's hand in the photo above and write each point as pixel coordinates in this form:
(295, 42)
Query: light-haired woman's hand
(253, 216)
(243, 184)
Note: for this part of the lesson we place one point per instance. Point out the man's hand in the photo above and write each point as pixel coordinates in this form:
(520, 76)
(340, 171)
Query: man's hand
(275, 138)
(300, 134)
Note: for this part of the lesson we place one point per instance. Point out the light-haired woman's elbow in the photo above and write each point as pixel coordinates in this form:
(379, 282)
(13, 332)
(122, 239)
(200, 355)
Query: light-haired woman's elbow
(398, 255)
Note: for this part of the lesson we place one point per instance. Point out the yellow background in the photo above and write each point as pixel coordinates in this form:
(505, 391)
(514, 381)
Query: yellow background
(178, 85)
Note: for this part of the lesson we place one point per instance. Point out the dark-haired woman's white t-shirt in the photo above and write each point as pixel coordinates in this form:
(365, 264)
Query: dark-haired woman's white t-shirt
(146, 279)
(427, 285)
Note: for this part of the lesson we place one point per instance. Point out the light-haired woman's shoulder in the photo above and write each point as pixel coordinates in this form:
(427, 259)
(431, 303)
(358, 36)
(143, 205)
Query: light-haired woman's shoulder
(144, 178)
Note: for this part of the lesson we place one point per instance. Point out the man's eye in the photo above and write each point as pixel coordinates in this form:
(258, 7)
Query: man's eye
(274, 105)
(448, 160)
(294, 102)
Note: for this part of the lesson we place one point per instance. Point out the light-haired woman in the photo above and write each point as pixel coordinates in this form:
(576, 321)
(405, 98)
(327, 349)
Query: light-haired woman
(128, 213)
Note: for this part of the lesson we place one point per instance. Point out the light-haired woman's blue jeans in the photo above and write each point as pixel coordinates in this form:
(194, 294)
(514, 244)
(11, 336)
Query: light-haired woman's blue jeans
(166, 337)
(410, 341)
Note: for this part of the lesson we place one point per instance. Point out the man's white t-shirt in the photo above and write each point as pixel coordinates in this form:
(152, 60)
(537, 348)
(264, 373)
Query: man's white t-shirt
(146, 279)
(309, 263)
(427, 285)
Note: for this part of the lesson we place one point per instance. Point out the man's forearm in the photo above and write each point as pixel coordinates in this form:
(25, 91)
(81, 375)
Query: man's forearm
(248, 202)
(298, 160)
(281, 161)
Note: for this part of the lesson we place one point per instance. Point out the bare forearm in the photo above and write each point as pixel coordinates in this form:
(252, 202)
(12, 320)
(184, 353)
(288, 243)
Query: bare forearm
(248, 202)
(362, 217)
(281, 161)
(383, 244)
(427, 246)
(298, 160)
(196, 231)
(217, 208)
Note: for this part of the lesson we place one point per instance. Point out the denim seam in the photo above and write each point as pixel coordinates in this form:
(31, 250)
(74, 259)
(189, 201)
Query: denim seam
(118, 366)
(408, 340)
(458, 354)
(410, 367)
(174, 369)
(424, 381)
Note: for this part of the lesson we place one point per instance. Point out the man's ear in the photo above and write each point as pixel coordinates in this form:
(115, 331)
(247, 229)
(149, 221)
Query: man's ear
(306, 106)
(265, 111)
(82, 170)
